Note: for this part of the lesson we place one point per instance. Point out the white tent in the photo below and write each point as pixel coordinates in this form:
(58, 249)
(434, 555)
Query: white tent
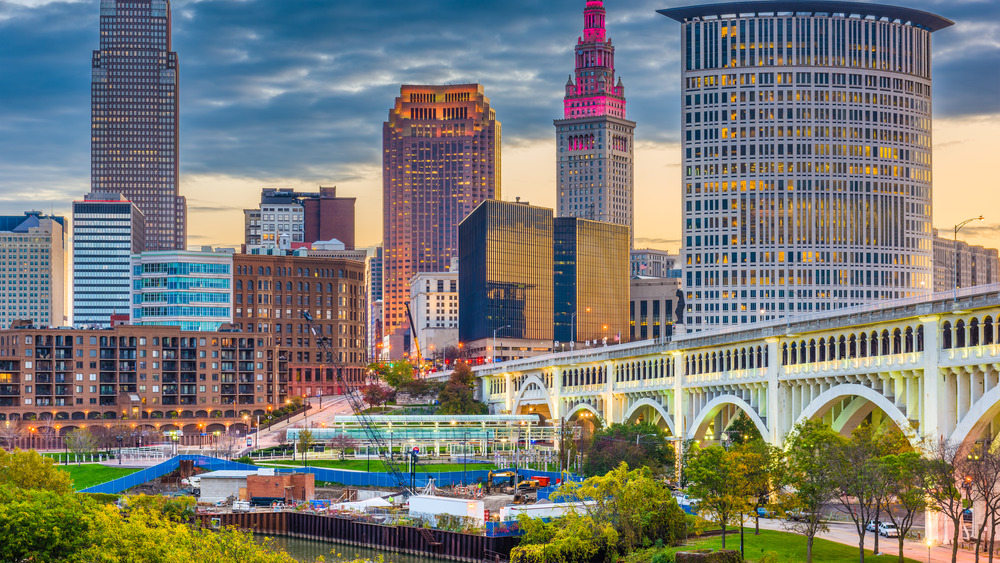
(361, 505)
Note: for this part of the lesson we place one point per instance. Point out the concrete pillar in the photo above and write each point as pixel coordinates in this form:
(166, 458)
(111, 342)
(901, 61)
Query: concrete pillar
(678, 388)
(770, 407)
(508, 380)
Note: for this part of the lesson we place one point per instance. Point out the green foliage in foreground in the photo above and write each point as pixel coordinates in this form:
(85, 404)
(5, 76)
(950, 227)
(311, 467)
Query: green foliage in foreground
(769, 547)
(26, 469)
(623, 511)
(90, 474)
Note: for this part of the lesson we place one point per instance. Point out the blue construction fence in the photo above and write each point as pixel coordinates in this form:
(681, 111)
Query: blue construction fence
(344, 477)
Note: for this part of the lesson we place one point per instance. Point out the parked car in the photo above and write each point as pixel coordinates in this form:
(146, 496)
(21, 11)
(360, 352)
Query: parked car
(798, 515)
(872, 525)
(888, 530)
(241, 506)
(765, 512)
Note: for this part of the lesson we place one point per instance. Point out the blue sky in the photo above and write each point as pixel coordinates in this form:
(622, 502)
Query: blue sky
(293, 93)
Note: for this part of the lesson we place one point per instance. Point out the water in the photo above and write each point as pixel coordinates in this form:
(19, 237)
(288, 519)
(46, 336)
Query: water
(308, 550)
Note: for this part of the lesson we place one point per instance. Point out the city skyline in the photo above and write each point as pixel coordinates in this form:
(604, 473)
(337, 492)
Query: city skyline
(261, 109)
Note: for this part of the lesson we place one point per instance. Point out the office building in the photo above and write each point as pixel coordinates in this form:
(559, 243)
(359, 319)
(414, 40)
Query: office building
(107, 230)
(975, 265)
(134, 117)
(533, 281)
(806, 172)
(270, 294)
(434, 305)
(157, 376)
(33, 255)
(440, 159)
(288, 219)
(373, 273)
(653, 302)
(595, 149)
(591, 281)
(189, 289)
(652, 263)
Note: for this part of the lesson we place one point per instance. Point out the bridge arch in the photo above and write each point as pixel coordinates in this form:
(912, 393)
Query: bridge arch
(656, 406)
(708, 412)
(825, 400)
(528, 384)
(980, 414)
(582, 407)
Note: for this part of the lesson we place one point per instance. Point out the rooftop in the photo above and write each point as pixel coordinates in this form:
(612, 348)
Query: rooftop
(919, 18)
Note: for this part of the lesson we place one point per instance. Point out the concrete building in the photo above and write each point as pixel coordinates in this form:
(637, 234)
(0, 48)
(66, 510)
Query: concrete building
(434, 305)
(595, 148)
(373, 276)
(134, 117)
(288, 219)
(33, 282)
(652, 263)
(189, 289)
(270, 294)
(107, 230)
(806, 172)
(219, 486)
(440, 159)
(977, 265)
(652, 306)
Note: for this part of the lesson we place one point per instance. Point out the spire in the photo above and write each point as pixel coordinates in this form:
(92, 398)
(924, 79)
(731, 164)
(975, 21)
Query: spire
(593, 21)
(590, 91)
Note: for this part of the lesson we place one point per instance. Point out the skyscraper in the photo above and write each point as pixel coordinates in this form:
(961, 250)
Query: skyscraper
(107, 231)
(133, 143)
(440, 159)
(33, 255)
(806, 175)
(595, 152)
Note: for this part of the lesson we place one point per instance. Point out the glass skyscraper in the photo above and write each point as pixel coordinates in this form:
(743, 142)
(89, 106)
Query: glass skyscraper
(806, 170)
(192, 290)
(133, 143)
(107, 231)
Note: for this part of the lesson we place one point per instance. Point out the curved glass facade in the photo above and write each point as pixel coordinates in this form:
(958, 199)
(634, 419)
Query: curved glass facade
(807, 158)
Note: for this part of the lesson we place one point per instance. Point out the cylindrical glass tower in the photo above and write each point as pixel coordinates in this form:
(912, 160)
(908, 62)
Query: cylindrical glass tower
(807, 157)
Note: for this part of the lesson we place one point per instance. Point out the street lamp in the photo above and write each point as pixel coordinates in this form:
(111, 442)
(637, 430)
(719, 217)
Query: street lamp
(572, 328)
(929, 544)
(495, 331)
(958, 227)
(642, 436)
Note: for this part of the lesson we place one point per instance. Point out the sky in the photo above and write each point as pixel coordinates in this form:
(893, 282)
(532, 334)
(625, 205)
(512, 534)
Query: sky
(293, 94)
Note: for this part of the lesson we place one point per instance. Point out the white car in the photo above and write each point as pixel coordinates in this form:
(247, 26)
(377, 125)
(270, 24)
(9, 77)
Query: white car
(888, 530)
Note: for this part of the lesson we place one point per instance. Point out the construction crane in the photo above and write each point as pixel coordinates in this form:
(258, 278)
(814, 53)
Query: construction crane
(353, 397)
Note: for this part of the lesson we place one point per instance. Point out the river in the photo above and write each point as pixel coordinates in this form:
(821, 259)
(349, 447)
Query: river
(308, 550)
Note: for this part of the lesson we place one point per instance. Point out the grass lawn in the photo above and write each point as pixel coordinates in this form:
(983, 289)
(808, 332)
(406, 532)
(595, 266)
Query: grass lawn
(90, 474)
(789, 548)
(377, 467)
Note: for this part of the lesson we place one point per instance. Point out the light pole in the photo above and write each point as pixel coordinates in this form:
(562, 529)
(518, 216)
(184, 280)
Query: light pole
(958, 227)
(495, 331)
(572, 328)
(641, 436)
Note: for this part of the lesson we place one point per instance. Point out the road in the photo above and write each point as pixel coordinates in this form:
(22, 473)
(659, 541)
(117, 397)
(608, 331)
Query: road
(845, 533)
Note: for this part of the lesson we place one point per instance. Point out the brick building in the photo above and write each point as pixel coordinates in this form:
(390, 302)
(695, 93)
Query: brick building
(152, 376)
(270, 293)
(286, 486)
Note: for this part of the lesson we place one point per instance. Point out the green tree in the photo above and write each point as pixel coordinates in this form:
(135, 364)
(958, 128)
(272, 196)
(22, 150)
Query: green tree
(614, 513)
(393, 374)
(29, 470)
(742, 430)
(943, 471)
(638, 445)
(457, 397)
(906, 494)
(305, 441)
(40, 525)
(810, 447)
(81, 441)
(765, 471)
(717, 479)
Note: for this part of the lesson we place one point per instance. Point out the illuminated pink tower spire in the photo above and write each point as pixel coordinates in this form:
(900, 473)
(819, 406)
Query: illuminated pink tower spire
(595, 157)
(595, 91)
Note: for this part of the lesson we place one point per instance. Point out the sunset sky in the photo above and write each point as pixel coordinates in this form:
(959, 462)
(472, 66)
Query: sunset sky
(293, 93)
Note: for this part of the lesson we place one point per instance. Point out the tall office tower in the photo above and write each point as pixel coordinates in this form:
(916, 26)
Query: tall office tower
(806, 170)
(133, 142)
(440, 159)
(595, 140)
(373, 273)
(959, 264)
(33, 254)
(107, 230)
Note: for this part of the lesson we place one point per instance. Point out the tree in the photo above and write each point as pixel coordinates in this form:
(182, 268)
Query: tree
(29, 470)
(281, 438)
(81, 441)
(982, 473)
(458, 396)
(809, 448)
(228, 443)
(856, 477)
(765, 471)
(10, 432)
(638, 445)
(40, 525)
(305, 442)
(375, 394)
(717, 480)
(612, 514)
(395, 373)
(342, 443)
(943, 470)
(906, 495)
(742, 430)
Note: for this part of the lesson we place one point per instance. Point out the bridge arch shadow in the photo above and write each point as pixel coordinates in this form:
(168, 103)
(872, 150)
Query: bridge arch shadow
(707, 415)
(863, 402)
(533, 386)
(979, 420)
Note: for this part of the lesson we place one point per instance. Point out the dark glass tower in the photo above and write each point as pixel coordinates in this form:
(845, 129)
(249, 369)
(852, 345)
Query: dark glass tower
(133, 143)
